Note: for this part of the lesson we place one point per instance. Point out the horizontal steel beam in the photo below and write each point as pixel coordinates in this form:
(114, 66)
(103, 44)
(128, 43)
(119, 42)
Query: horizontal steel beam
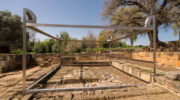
(145, 31)
(44, 33)
(80, 88)
(42, 78)
(89, 26)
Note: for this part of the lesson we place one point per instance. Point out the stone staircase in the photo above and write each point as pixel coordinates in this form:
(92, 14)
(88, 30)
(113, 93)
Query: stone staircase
(49, 62)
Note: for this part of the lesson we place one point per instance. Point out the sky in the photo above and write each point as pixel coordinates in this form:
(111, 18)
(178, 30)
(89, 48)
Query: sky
(74, 12)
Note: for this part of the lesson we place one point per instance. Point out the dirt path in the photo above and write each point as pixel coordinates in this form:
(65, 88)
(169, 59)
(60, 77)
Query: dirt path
(14, 77)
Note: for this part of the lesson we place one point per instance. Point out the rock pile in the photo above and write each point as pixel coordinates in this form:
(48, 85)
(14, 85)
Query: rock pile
(171, 46)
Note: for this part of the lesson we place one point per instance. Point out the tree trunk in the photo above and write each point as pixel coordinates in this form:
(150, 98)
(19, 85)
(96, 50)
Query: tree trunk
(158, 43)
(131, 42)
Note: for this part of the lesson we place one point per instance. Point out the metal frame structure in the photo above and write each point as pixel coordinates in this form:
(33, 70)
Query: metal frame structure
(31, 22)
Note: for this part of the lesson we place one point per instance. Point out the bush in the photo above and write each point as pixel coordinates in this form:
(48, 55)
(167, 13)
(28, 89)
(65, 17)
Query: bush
(124, 45)
(99, 49)
(39, 47)
(19, 51)
(88, 49)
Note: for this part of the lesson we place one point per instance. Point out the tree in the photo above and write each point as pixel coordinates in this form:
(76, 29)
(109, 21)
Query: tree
(110, 33)
(30, 46)
(64, 43)
(176, 29)
(11, 32)
(102, 44)
(72, 47)
(91, 36)
(48, 43)
(39, 47)
(83, 48)
(55, 47)
(167, 12)
(122, 17)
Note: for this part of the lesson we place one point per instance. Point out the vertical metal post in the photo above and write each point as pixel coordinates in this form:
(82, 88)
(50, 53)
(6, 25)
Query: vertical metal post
(110, 54)
(154, 50)
(60, 52)
(24, 53)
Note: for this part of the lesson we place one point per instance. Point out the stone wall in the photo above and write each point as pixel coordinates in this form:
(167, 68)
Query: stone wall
(93, 57)
(166, 58)
(9, 62)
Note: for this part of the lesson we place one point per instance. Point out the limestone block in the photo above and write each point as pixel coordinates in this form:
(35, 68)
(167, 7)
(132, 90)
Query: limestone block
(174, 85)
(41, 65)
(126, 68)
(171, 62)
(121, 66)
(174, 75)
(145, 76)
(4, 63)
(178, 63)
(45, 64)
(131, 70)
(136, 72)
(160, 79)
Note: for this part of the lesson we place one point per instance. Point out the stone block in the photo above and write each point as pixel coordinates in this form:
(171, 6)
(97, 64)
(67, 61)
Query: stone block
(136, 72)
(4, 63)
(171, 62)
(145, 76)
(174, 85)
(178, 63)
(121, 66)
(160, 79)
(41, 65)
(174, 75)
(131, 70)
(27, 97)
(126, 68)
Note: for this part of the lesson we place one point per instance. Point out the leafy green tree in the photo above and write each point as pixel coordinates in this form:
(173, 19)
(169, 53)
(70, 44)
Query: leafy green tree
(39, 47)
(83, 48)
(102, 44)
(30, 46)
(11, 35)
(110, 33)
(73, 47)
(176, 29)
(48, 43)
(120, 20)
(64, 43)
(55, 47)
(166, 12)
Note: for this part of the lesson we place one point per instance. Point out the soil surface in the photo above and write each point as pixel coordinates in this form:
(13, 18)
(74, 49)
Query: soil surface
(80, 76)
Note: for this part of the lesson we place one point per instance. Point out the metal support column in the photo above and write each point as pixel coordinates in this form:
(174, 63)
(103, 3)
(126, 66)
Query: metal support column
(154, 51)
(60, 52)
(110, 54)
(24, 53)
